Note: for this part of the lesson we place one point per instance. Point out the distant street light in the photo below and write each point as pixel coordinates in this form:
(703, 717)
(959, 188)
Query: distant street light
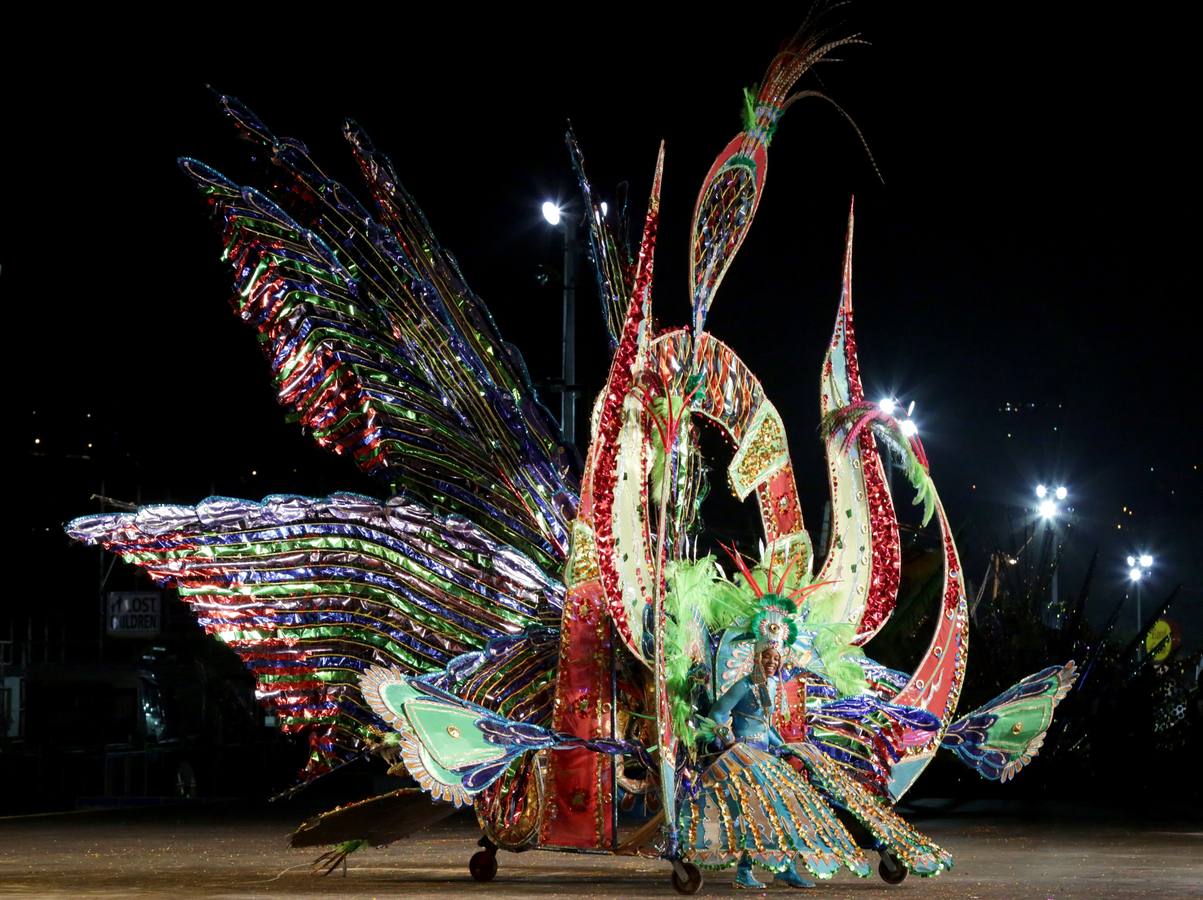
(1060, 492)
(551, 212)
(1138, 569)
(890, 406)
(1048, 508)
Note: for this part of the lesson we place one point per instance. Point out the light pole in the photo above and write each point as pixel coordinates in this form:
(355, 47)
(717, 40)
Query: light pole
(556, 217)
(1048, 509)
(1139, 567)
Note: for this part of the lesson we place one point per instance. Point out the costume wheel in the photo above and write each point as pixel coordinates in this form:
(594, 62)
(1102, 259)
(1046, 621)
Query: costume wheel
(483, 865)
(687, 878)
(890, 869)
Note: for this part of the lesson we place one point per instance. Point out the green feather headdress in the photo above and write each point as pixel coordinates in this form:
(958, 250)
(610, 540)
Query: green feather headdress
(775, 622)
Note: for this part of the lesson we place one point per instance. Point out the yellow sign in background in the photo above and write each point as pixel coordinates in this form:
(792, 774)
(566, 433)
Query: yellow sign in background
(1160, 640)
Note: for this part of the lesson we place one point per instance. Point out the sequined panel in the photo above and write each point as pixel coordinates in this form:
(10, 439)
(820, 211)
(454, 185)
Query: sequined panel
(936, 682)
(729, 393)
(579, 797)
(613, 414)
(762, 452)
(582, 564)
(863, 556)
(722, 216)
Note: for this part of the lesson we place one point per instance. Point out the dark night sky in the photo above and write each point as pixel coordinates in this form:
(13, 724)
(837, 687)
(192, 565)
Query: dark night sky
(1029, 245)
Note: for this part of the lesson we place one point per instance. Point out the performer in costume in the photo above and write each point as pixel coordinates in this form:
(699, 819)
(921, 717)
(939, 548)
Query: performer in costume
(754, 802)
(751, 702)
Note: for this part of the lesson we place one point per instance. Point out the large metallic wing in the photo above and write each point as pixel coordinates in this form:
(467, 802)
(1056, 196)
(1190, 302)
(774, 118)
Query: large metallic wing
(1004, 735)
(311, 592)
(609, 248)
(381, 350)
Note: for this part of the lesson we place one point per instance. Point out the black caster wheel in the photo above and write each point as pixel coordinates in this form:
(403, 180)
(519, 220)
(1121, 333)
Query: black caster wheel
(687, 878)
(890, 869)
(483, 865)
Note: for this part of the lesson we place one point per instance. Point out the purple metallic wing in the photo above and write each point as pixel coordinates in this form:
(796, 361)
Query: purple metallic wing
(310, 592)
(380, 348)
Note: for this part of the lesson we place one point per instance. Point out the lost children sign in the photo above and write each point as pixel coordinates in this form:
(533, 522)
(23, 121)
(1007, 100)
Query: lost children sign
(133, 613)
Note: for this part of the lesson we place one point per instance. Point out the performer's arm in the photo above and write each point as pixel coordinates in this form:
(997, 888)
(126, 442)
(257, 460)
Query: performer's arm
(720, 713)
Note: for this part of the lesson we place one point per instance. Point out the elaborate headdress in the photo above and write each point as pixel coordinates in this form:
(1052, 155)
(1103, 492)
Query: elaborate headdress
(775, 624)
(775, 621)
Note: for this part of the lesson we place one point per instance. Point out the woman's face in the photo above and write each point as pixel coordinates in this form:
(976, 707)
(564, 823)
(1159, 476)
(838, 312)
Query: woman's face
(770, 661)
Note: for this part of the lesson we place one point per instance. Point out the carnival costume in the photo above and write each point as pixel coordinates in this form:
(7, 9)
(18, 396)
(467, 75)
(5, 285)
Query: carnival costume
(540, 641)
(753, 800)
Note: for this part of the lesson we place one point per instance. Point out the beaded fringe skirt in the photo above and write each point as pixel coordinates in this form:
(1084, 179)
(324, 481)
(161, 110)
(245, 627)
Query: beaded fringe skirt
(753, 802)
(912, 848)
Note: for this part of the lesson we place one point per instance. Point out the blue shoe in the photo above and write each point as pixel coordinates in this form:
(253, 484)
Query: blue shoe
(744, 877)
(791, 877)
